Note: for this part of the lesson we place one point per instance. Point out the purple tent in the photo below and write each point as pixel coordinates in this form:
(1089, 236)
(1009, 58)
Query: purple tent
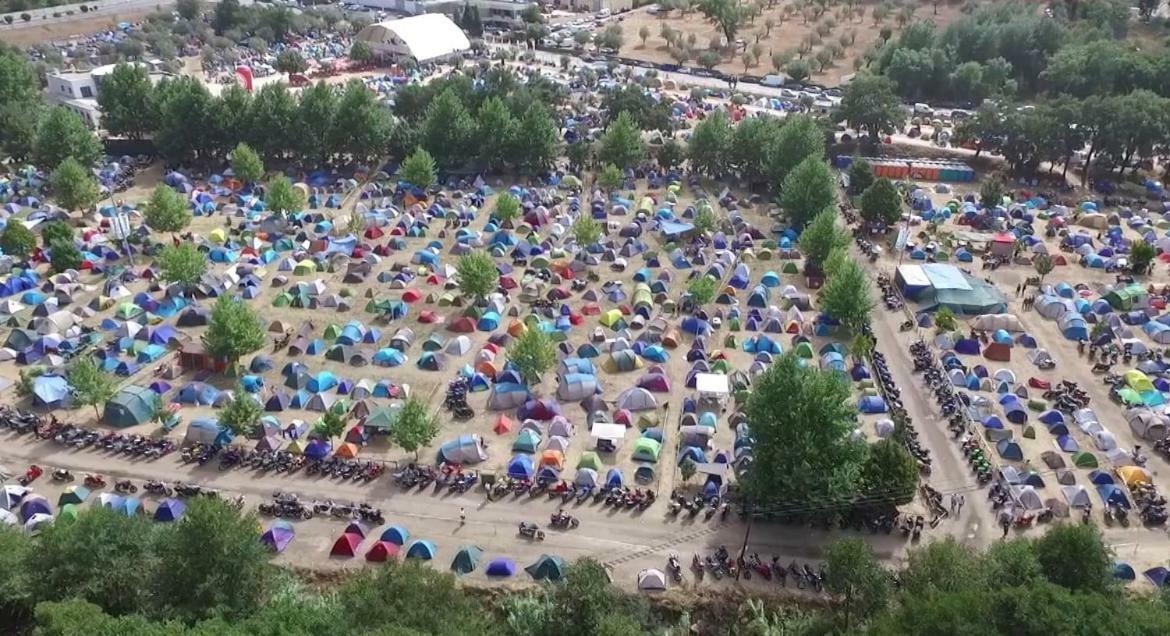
(541, 410)
(170, 510)
(278, 537)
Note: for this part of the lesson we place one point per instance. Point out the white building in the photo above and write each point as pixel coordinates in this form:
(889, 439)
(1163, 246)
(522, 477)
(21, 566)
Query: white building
(78, 90)
(430, 37)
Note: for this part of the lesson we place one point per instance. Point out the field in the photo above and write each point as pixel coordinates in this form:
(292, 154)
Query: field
(852, 33)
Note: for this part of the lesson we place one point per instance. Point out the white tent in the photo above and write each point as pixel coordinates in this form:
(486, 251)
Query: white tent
(651, 579)
(1076, 496)
(611, 432)
(712, 386)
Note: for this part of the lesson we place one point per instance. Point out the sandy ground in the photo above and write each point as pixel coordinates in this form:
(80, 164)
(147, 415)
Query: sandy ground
(787, 34)
(60, 30)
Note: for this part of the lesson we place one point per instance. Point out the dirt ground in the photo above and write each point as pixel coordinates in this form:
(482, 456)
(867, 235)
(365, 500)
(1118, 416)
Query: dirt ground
(60, 30)
(787, 34)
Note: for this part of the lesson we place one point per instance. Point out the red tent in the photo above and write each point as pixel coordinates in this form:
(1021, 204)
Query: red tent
(462, 325)
(346, 545)
(503, 425)
(382, 551)
(411, 296)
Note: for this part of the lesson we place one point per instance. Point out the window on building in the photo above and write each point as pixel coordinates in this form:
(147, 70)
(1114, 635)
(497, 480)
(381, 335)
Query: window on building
(86, 91)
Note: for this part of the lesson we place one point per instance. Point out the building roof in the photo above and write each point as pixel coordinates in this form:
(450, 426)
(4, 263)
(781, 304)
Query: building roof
(428, 36)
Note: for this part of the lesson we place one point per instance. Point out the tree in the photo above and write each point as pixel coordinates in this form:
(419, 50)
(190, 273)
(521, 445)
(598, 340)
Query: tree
(448, 129)
(704, 221)
(586, 231)
(670, 155)
(847, 297)
(415, 427)
(945, 321)
(860, 176)
(291, 61)
(166, 210)
(532, 353)
(73, 185)
(821, 236)
(861, 346)
(183, 264)
(709, 145)
(702, 290)
(361, 52)
(362, 127)
(799, 70)
(507, 209)
(808, 189)
(282, 197)
(881, 204)
(805, 458)
(189, 9)
(709, 59)
(889, 474)
(611, 178)
(234, 330)
(1141, 255)
(496, 133)
(274, 112)
(537, 140)
(687, 469)
(215, 563)
(127, 101)
(64, 256)
(870, 104)
(62, 134)
(799, 138)
(331, 425)
(857, 579)
(247, 165)
(477, 274)
(418, 169)
(621, 144)
(317, 137)
(17, 240)
(1043, 264)
(727, 15)
(644, 34)
(54, 231)
(991, 193)
(91, 385)
(1073, 556)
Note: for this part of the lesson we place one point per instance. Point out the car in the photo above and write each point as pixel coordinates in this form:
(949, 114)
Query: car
(773, 80)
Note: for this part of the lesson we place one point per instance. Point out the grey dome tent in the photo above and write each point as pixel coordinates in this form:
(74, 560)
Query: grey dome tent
(133, 405)
(637, 399)
(573, 387)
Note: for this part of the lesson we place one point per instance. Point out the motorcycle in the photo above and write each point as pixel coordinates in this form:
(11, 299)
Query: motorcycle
(125, 486)
(62, 475)
(674, 568)
(565, 521)
(95, 481)
(158, 488)
(531, 531)
(31, 475)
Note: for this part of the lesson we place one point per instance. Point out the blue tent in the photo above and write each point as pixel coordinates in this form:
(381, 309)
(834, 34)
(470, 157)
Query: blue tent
(871, 404)
(169, 510)
(1123, 572)
(1157, 576)
(396, 535)
(1067, 443)
(613, 478)
(1009, 450)
(50, 390)
(521, 467)
(198, 393)
(422, 549)
(501, 567)
(1113, 495)
(318, 449)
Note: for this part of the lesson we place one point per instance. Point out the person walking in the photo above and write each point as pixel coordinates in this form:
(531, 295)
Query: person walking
(962, 500)
(462, 516)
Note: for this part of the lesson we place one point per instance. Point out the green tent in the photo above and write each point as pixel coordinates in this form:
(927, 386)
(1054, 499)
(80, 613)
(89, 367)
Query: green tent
(527, 442)
(803, 350)
(282, 300)
(647, 449)
(589, 459)
(434, 342)
(547, 568)
(1085, 459)
(131, 406)
(68, 512)
(382, 418)
(126, 311)
(466, 559)
(789, 268)
(332, 332)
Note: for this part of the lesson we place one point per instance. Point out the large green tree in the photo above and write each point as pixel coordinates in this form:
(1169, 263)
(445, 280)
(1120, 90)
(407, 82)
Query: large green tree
(316, 110)
(727, 15)
(61, 135)
(91, 385)
(1073, 556)
(362, 126)
(64, 256)
(74, 186)
(447, 130)
(246, 164)
(243, 413)
(273, 114)
(889, 474)
(234, 329)
(496, 132)
(477, 274)
(17, 240)
(881, 204)
(808, 189)
(857, 579)
(166, 210)
(537, 140)
(187, 120)
(418, 169)
(183, 264)
(127, 102)
(282, 196)
(621, 144)
(805, 457)
(415, 427)
(644, 110)
(870, 105)
(532, 353)
(709, 145)
(800, 138)
(847, 296)
(821, 236)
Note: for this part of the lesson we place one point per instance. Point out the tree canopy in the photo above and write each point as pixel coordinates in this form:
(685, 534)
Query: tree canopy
(808, 189)
(234, 329)
(91, 385)
(881, 204)
(166, 210)
(64, 256)
(415, 427)
(242, 413)
(247, 165)
(418, 169)
(533, 353)
(702, 290)
(477, 274)
(74, 186)
(17, 240)
(586, 230)
(821, 236)
(61, 135)
(847, 296)
(127, 102)
(870, 105)
(621, 144)
(182, 263)
(710, 144)
(282, 196)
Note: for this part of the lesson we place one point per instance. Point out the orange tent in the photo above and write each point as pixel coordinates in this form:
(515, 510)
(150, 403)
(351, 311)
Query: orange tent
(516, 328)
(346, 545)
(503, 425)
(348, 450)
(381, 552)
(553, 458)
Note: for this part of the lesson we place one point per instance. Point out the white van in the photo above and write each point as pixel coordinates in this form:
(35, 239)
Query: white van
(773, 80)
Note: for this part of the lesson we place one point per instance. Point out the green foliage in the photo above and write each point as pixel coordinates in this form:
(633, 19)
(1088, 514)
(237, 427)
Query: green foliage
(847, 296)
(17, 240)
(214, 563)
(64, 256)
(837, 260)
(801, 137)
(281, 196)
(821, 236)
(91, 386)
(507, 209)
(54, 231)
(166, 210)
(477, 274)
(291, 61)
(610, 178)
(621, 144)
(182, 263)
(710, 144)
(315, 114)
(869, 104)
(189, 9)
(799, 70)
(705, 221)
(360, 51)
(727, 15)
(1043, 265)
(448, 129)
(73, 185)
(586, 231)
(889, 473)
(274, 112)
(188, 116)
(645, 111)
(415, 427)
(991, 193)
(234, 329)
(881, 204)
(533, 353)
(855, 577)
(1141, 255)
(418, 169)
(687, 469)
(496, 133)
(61, 135)
(247, 165)
(860, 176)
(330, 426)
(945, 321)
(702, 290)
(127, 102)
(537, 142)
(802, 419)
(861, 346)
(807, 190)
(670, 154)
(709, 59)
(361, 126)
(1073, 556)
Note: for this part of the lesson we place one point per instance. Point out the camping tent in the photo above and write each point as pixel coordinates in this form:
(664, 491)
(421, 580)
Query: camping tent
(133, 405)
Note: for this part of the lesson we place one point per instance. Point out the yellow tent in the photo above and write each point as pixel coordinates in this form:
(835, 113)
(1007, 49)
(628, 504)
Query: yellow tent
(1134, 475)
(218, 236)
(1138, 381)
(305, 267)
(611, 317)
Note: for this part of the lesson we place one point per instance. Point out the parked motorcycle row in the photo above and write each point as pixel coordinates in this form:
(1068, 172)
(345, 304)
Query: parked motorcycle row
(83, 437)
(694, 505)
(904, 430)
(953, 408)
(890, 296)
(447, 476)
(282, 461)
(720, 563)
(1067, 397)
(456, 399)
(289, 505)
